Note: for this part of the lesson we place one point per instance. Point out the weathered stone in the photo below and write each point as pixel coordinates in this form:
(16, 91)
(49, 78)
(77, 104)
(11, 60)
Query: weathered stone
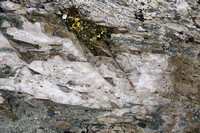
(62, 70)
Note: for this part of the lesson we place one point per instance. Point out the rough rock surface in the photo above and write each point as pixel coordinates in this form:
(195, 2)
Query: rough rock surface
(148, 81)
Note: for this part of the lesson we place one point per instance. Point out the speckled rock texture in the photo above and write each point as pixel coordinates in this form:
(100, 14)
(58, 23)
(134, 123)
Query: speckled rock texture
(62, 72)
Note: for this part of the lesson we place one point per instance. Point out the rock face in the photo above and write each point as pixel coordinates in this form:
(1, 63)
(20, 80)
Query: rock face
(100, 66)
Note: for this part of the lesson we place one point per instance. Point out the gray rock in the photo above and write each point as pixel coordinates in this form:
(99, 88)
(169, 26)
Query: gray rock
(99, 66)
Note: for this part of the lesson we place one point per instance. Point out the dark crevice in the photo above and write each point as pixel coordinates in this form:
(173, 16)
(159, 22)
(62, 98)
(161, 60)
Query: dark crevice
(190, 39)
(33, 72)
(110, 80)
(1, 10)
(139, 15)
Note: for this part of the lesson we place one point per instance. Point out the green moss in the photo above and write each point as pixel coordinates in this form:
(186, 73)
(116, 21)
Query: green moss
(89, 33)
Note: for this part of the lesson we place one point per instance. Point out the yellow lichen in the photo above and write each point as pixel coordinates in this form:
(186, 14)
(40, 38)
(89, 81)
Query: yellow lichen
(87, 31)
(98, 36)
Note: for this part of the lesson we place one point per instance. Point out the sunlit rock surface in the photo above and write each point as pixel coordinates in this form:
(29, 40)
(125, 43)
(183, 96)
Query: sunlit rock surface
(50, 81)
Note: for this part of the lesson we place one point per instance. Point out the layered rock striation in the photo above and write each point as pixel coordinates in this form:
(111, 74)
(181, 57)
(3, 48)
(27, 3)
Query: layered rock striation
(99, 66)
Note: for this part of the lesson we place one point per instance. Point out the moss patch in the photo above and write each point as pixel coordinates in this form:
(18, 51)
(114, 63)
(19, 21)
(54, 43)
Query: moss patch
(89, 33)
